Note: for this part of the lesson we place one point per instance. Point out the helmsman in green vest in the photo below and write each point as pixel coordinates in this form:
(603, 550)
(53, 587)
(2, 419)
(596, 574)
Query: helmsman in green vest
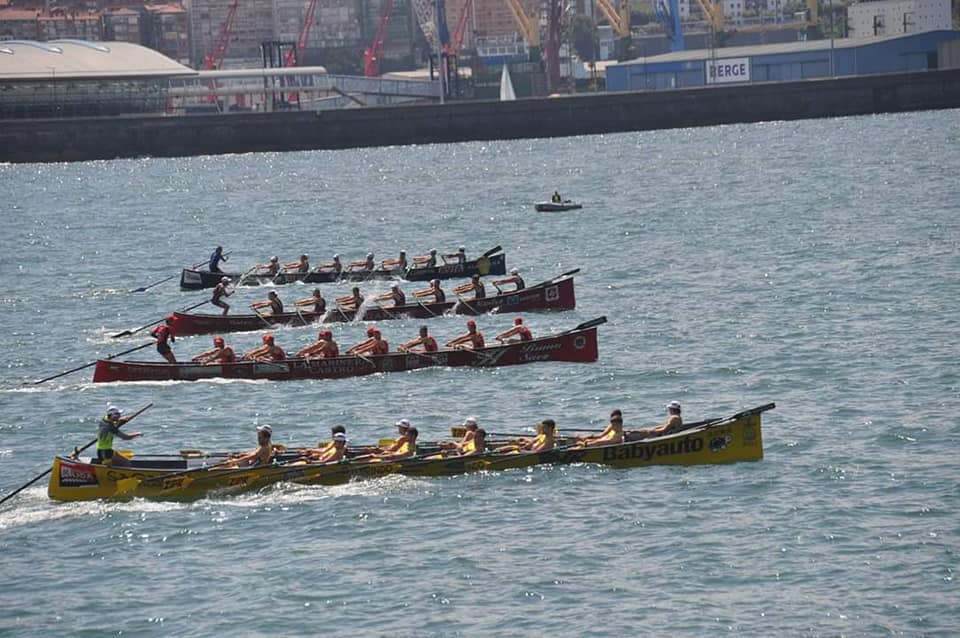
(110, 427)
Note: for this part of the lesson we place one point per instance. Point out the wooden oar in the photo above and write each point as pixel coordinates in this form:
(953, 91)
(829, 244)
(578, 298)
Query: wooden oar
(460, 431)
(262, 318)
(386, 311)
(87, 365)
(76, 453)
(469, 307)
(561, 276)
(587, 324)
(242, 277)
(127, 333)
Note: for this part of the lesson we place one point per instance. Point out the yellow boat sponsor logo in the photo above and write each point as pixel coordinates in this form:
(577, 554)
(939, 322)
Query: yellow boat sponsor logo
(649, 451)
(173, 483)
(77, 475)
(375, 469)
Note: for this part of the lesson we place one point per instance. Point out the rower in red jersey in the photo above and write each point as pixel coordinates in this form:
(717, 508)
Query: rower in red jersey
(472, 339)
(424, 341)
(518, 330)
(269, 351)
(374, 344)
(323, 348)
(165, 335)
(221, 353)
(434, 289)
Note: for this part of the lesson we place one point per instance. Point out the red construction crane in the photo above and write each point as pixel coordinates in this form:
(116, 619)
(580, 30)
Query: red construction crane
(461, 27)
(214, 60)
(373, 54)
(296, 55)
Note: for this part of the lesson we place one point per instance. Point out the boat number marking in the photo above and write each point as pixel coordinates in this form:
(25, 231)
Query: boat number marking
(552, 293)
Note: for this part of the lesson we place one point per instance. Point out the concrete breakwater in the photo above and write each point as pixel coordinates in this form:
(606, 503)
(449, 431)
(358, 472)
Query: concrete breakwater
(79, 139)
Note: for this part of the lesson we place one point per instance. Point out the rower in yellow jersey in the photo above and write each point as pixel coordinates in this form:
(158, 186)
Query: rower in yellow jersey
(324, 450)
(406, 449)
(475, 444)
(263, 455)
(334, 452)
(545, 440)
(611, 434)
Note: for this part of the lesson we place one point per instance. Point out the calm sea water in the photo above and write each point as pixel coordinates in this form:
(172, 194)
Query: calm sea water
(814, 264)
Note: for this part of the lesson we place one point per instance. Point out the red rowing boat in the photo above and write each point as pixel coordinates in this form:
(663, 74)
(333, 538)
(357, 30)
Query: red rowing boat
(553, 294)
(578, 345)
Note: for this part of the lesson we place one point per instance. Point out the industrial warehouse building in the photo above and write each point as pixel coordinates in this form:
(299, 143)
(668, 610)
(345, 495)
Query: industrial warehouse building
(788, 61)
(69, 78)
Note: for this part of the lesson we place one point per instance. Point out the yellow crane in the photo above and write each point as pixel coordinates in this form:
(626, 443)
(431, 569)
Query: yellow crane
(529, 25)
(619, 19)
(713, 13)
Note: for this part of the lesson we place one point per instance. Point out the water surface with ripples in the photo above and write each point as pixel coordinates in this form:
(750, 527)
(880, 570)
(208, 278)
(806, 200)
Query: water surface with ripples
(814, 264)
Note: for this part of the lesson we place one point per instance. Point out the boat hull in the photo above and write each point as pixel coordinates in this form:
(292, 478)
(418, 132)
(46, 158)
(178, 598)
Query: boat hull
(718, 441)
(495, 265)
(553, 207)
(577, 346)
(549, 295)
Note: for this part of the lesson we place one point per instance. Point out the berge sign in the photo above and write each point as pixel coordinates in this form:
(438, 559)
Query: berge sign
(728, 70)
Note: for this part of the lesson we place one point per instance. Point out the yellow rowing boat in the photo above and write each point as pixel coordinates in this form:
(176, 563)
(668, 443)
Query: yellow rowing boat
(722, 440)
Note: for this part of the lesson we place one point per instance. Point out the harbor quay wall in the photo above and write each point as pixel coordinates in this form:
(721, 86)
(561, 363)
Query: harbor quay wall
(79, 139)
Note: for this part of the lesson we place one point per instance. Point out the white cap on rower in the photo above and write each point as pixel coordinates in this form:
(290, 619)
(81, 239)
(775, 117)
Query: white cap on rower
(435, 282)
(403, 423)
(433, 251)
(514, 271)
(339, 436)
(225, 280)
(336, 257)
(674, 405)
(274, 258)
(462, 248)
(265, 428)
(395, 286)
(114, 412)
(369, 255)
(470, 420)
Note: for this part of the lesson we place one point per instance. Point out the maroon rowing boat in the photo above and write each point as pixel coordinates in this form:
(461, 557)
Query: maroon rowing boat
(553, 294)
(578, 345)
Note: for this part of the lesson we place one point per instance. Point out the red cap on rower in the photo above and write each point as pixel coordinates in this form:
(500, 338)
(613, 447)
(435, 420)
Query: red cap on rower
(518, 321)
(325, 334)
(372, 330)
(218, 341)
(471, 324)
(268, 338)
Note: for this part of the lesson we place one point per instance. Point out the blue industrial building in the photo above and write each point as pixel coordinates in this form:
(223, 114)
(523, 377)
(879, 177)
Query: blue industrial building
(787, 61)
